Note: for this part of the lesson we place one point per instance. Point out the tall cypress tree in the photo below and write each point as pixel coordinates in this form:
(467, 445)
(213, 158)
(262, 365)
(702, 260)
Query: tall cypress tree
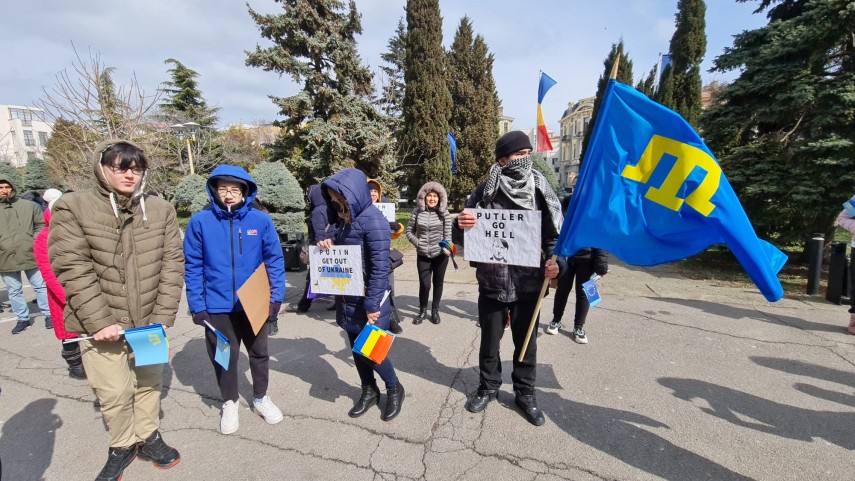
(427, 102)
(392, 95)
(474, 111)
(624, 76)
(330, 124)
(688, 47)
(183, 99)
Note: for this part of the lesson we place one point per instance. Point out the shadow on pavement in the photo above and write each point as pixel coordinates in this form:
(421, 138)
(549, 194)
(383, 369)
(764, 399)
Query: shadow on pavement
(193, 369)
(28, 439)
(815, 371)
(302, 357)
(733, 312)
(616, 433)
(767, 416)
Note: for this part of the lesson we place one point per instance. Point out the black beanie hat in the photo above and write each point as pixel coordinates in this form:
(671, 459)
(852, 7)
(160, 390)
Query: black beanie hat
(244, 186)
(512, 142)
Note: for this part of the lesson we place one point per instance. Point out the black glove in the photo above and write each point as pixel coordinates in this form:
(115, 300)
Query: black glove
(201, 317)
(273, 314)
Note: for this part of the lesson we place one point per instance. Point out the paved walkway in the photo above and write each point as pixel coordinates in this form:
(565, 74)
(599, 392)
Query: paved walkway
(682, 380)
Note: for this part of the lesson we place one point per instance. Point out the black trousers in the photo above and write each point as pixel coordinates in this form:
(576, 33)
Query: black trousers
(431, 268)
(366, 367)
(493, 315)
(851, 280)
(577, 273)
(305, 303)
(235, 326)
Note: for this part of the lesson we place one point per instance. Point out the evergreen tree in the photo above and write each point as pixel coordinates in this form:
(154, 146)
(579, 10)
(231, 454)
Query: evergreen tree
(427, 102)
(784, 130)
(647, 86)
(191, 195)
(624, 76)
(539, 164)
(688, 46)
(665, 92)
(281, 194)
(10, 173)
(36, 178)
(474, 109)
(392, 92)
(330, 124)
(183, 100)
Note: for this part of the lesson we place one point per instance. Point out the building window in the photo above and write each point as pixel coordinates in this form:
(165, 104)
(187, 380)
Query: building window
(29, 140)
(43, 139)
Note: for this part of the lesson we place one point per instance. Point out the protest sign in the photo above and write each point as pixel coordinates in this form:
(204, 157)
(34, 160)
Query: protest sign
(254, 296)
(503, 236)
(149, 344)
(388, 210)
(337, 270)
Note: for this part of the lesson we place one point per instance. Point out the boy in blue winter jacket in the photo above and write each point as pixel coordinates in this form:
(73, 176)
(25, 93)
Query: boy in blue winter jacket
(223, 246)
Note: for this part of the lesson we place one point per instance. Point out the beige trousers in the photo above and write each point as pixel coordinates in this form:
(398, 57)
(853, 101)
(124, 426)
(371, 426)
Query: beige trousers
(129, 395)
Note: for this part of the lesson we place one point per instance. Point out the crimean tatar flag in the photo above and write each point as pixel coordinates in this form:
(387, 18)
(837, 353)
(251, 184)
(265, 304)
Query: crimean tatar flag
(650, 192)
(543, 143)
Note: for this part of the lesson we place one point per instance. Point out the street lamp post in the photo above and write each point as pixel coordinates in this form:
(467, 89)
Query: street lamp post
(187, 131)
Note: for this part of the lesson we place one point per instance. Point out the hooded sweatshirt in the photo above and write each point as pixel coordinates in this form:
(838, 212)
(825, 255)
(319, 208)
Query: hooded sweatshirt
(223, 248)
(20, 221)
(118, 258)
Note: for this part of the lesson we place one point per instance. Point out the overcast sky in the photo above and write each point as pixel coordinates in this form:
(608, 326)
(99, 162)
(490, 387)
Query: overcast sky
(567, 39)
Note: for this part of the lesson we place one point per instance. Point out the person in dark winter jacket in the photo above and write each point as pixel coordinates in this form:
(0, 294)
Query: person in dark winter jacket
(503, 289)
(223, 247)
(580, 267)
(318, 230)
(362, 224)
(376, 190)
(20, 222)
(429, 224)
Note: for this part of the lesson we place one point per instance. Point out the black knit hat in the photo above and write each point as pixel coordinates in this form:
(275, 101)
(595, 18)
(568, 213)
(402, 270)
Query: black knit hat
(228, 178)
(512, 142)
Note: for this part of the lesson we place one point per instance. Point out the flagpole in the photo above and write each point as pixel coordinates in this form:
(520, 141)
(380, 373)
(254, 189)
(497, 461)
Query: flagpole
(612, 76)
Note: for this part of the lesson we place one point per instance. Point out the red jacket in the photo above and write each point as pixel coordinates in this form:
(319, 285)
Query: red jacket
(56, 294)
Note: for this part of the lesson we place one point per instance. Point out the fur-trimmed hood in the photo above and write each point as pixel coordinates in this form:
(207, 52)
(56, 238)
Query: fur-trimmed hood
(442, 206)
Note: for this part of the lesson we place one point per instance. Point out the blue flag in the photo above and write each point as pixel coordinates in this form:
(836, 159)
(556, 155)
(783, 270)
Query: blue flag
(452, 147)
(149, 344)
(651, 192)
(221, 356)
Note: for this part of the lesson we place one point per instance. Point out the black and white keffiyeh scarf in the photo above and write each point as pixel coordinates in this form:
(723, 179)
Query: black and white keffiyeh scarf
(519, 182)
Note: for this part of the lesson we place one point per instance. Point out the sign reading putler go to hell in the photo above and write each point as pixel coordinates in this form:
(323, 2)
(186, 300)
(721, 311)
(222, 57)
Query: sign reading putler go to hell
(337, 270)
(503, 236)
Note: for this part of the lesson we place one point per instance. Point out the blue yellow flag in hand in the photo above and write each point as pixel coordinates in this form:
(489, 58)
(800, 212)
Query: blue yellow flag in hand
(651, 192)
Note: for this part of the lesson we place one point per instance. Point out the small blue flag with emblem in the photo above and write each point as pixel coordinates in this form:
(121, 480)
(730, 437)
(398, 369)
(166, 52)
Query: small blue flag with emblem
(651, 192)
(452, 148)
(149, 344)
(224, 350)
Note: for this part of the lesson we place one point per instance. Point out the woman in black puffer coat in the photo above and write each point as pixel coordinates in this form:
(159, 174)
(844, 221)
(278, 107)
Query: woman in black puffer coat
(360, 223)
(429, 224)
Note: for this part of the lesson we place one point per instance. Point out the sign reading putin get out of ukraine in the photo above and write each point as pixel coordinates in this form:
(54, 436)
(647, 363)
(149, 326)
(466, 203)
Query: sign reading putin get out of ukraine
(503, 236)
(337, 270)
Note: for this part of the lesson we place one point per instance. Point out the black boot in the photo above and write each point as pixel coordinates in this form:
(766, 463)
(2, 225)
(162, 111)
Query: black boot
(48, 323)
(434, 314)
(394, 399)
(421, 317)
(395, 323)
(158, 452)
(117, 460)
(528, 404)
(479, 401)
(370, 396)
(71, 354)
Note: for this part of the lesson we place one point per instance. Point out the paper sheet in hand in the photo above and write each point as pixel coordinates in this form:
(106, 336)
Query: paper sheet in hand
(388, 210)
(504, 236)
(254, 296)
(149, 344)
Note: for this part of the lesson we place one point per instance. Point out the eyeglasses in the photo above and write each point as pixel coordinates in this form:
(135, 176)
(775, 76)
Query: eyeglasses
(233, 191)
(119, 170)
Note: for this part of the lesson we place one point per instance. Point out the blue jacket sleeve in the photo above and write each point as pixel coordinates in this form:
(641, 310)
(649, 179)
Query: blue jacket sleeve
(274, 261)
(194, 271)
(377, 240)
(319, 224)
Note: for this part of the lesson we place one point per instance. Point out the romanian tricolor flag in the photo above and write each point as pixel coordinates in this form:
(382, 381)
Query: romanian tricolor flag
(543, 143)
(373, 343)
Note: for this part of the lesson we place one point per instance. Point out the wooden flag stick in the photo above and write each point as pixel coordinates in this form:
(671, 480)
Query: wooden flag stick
(613, 74)
(534, 316)
(78, 339)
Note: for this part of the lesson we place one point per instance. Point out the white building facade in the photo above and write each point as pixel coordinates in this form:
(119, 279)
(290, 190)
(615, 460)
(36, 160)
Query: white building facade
(24, 133)
(574, 123)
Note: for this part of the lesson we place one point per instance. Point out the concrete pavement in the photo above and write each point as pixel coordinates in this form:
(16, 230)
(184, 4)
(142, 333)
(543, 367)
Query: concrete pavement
(681, 380)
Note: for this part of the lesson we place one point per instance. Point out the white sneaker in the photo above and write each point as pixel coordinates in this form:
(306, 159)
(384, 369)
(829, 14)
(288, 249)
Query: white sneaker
(579, 336)
(267, 410)
(229, 421)
(553, 327)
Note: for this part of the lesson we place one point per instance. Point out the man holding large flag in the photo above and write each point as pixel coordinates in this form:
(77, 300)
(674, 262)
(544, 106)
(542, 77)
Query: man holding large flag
(502, 288)
(651, 192)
